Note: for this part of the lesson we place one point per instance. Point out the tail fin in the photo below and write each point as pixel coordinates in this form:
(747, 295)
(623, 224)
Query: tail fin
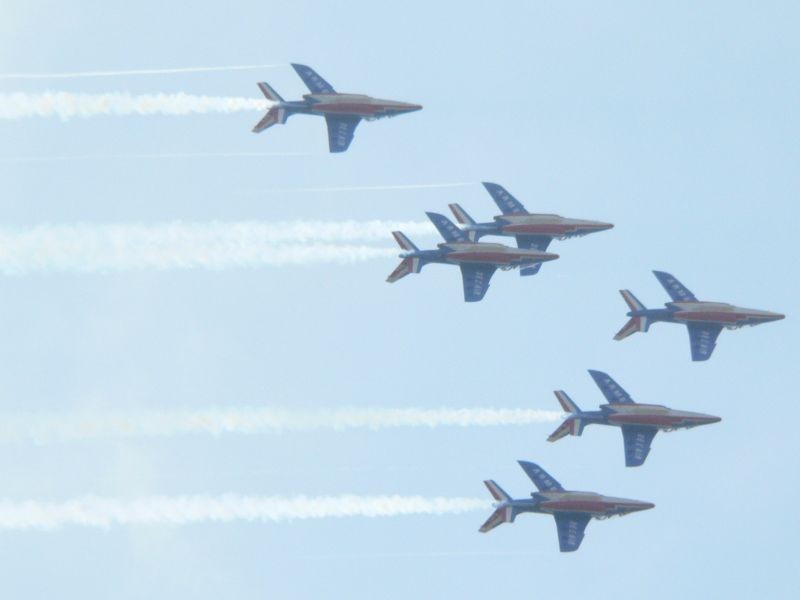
(504, 513)
(464, 219)
(269, 92)
(572, 425)
(408, 265)
(276, 114)
(496, 491)
(631, 300)
(461, 215)
(404, 242)
(566, 402)
(639, 323)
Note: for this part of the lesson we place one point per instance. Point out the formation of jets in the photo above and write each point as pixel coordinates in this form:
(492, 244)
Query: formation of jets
(478, 262)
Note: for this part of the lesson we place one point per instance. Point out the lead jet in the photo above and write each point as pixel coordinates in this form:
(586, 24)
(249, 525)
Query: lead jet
(639, 422)
(531, 230)
(342, 112)
(704, 320)
(478, 261)
(571, 510)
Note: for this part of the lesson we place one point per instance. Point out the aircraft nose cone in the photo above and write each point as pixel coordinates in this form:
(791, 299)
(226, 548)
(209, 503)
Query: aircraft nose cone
(642, 506)
(605, 226)
(547, 256)
(406, 108)
(711, 419)
(777, 317)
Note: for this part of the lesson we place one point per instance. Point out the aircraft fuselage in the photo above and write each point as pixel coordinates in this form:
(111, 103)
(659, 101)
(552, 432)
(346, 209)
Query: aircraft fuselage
(589, 503)
(719, 313)
(353, 105)
(497, 255)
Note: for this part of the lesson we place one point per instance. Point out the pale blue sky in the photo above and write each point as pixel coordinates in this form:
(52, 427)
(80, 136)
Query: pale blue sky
(678, 123)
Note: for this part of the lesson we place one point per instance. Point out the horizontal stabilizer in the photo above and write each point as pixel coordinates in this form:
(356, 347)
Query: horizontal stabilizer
(502, 515)
(274, 116)
(632, 326)
(572, 426)
(406, 267)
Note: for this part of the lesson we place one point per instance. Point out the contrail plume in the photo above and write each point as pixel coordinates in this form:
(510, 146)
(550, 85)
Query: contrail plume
(178, 245)
(158, 155)
(79, 74)
(65, 105)
(93, 511)
(368, 188)
(252, 421)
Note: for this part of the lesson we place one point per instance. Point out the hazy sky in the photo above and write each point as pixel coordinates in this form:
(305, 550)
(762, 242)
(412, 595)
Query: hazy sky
(677, 123)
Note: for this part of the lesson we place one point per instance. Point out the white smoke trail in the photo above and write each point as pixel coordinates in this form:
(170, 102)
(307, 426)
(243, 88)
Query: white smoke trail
(61, 428)
(160, 155)
(368, 188)
(93, 511)
(65, 105)
(177, 245)
(78, 74)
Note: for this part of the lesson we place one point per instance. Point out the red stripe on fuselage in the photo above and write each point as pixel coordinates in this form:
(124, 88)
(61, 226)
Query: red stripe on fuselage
(714, 316)
(487, 257)
(540, 229)
(588, 506)
(655, 420)
(350, 108)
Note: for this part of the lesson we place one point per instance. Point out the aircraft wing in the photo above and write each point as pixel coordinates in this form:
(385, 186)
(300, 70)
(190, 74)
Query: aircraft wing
(340, 132)
(570, 530)
(537, 242)
(703, 339)
(676, 290)
(476, 281)
(610, 388)
(507, 204)
(540, 477)
(313, 81)
(637, 440)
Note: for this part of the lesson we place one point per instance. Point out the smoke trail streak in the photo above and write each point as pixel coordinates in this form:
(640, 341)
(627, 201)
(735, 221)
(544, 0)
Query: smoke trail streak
(93, 511)
(18, 159)
(62, 428)
(78, 74)
(367, 188)
(177, 245)
(65, 105)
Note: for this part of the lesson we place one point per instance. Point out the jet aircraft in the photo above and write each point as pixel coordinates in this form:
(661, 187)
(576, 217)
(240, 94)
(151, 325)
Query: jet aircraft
(704, 320)
(342, 112)
(478, 261)
(571, 510)
(639, 422)
(531, 230)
